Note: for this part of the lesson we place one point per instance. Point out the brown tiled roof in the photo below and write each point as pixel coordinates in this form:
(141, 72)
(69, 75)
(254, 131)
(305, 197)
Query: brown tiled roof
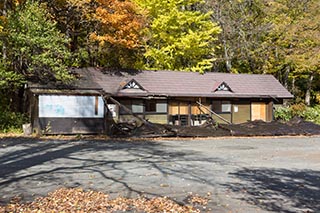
(185, 84)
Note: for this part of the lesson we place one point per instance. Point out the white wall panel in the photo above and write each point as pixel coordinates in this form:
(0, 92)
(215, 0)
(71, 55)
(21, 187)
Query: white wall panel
(65, 106)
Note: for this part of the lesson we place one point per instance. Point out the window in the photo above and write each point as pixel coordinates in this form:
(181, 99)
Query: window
(161, 107)
(156, 106)
(225, 106)
(221, 106)
(137, 106)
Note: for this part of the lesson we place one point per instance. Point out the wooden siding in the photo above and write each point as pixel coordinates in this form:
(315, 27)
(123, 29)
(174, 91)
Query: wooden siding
(226, 116)
(184, 108)
(129, 118)
(160, 119)
(240, 112)
(269, 111)
(173, 108)
(71, 125)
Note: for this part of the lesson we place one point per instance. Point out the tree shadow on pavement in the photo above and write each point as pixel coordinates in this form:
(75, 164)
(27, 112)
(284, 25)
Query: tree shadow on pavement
(279, 190)
(45, 165)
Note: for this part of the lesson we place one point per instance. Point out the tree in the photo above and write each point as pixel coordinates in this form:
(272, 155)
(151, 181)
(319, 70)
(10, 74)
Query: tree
(118, 31)
(5, 6)
(37, 49)
(179, 37)
(243, 28)
(74, 18)
(295, 40)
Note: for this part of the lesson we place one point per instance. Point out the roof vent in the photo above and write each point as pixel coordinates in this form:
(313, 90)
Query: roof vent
(223, 87)
(133, 84)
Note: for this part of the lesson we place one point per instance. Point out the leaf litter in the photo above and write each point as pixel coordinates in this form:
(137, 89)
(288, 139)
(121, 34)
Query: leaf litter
(77, 200)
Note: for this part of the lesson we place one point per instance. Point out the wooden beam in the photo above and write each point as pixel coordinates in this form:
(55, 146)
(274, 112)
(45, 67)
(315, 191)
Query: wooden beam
(127, 110)
(212, 112)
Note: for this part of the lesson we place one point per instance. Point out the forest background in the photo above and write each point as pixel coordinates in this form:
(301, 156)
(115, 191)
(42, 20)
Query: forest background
(41, 39)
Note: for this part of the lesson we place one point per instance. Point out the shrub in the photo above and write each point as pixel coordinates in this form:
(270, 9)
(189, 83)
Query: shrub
(312, 114)
(283, 113)
(12, 121)
(307, 113)
(298, 109)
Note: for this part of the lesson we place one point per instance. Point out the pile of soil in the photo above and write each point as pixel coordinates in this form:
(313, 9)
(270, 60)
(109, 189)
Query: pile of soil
(294, 127)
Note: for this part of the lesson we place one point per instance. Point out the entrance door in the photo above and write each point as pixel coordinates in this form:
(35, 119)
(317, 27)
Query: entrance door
(258, 111)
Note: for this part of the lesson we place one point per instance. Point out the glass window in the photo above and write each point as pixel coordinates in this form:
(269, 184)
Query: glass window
(221, 106)
(137, 106)
(225, 106)
(156, 106)
(161, 107)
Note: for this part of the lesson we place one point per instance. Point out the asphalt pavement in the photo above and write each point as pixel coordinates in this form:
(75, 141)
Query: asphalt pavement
(238, 174)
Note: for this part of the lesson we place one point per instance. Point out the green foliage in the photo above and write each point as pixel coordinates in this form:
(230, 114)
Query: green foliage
(300, 110)
(283, 113)
(11, 121)
(293, 42)
(9, 79)
(243, 28)
(312, 114)
(38, 49)
(280, 37)
(179, 37)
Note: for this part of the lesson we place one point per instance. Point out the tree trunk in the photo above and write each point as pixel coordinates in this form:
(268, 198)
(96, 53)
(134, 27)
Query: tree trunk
(4, 47)
(293, 86)
(226, 57)
(309, 87)
(286, 76)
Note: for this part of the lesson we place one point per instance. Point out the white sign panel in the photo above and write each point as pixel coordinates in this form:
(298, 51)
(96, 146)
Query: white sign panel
(65, 106)
(113, 110)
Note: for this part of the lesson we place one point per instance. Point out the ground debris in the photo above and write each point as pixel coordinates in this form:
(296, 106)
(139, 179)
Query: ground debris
(78, 200)
(198, 200)
(296, 126)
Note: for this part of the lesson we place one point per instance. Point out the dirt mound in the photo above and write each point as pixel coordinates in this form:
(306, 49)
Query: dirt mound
(296, 126)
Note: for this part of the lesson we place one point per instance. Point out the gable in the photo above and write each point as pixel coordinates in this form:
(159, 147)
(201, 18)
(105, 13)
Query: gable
(133, 84)
(222, 87)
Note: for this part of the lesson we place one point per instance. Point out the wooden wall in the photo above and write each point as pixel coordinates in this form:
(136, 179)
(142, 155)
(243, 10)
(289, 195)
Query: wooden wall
(186, 111)
(157, 118)
(241, 112)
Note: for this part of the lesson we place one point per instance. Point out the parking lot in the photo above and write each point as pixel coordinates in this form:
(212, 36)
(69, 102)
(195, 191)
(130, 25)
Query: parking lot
(238, 174)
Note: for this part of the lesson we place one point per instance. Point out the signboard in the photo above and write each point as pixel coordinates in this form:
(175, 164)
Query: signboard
(113, 110)
(68, 106)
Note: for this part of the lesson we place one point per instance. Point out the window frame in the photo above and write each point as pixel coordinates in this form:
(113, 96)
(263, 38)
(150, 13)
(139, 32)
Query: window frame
(130, 102)
(156, 101)
(220, 106)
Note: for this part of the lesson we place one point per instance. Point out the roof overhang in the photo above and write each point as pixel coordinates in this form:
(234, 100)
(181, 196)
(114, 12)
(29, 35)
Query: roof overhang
(39, 91)
(175, 95)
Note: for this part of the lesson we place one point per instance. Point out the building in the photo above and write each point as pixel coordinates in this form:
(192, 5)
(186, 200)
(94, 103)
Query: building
(166, 97)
